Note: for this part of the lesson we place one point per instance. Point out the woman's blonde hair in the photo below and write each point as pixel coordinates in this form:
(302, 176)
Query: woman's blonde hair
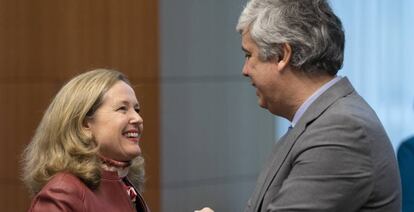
(61, 143)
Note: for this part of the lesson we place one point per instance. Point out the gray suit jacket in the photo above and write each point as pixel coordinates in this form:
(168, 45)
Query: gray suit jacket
(337, 158)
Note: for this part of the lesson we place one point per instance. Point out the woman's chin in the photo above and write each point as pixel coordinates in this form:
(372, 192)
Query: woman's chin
(134, 154)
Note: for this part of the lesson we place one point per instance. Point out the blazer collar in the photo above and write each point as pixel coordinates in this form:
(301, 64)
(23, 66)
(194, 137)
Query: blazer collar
(340, 89)
(283, 147)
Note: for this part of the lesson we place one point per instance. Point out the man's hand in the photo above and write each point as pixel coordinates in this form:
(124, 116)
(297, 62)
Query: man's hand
(204, 210)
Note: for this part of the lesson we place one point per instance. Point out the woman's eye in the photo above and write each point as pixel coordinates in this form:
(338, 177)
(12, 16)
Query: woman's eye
(123, 108)
(137, 110)
(247, 56)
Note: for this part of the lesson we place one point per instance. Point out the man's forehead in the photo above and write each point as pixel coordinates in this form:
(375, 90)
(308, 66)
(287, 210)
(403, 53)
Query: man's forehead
(246, 41)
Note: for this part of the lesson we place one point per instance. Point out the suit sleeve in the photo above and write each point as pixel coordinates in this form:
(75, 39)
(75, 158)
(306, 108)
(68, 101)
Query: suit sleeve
(58, 197)
(331, 170)
(405, 161)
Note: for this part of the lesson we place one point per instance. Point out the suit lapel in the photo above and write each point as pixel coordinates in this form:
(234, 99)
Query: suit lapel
(265, 173)
(283, 147)
(279, 155)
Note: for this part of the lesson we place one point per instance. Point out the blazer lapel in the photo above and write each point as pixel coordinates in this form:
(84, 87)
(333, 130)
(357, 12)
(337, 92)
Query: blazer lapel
(279, 155)
(257, 194)
(283, 147)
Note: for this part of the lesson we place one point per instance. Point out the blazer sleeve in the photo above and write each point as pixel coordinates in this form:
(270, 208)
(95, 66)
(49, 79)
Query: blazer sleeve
(59, 195)
(331, 170)
(405, 161)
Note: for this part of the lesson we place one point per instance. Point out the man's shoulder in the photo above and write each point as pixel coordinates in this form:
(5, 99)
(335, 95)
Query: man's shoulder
(348, 119)
(350, 111)
(341, 105)
(353, 110)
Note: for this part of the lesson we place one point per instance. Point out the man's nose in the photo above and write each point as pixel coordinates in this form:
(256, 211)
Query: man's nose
(244, 70)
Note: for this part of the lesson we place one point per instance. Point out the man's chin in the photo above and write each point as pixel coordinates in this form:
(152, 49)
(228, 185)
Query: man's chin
(262, 104)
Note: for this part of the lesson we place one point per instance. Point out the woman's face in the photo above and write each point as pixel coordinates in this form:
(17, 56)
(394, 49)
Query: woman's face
(117, 126)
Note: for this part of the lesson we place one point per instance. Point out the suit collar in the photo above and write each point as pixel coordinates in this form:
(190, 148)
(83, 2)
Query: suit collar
(340, 89)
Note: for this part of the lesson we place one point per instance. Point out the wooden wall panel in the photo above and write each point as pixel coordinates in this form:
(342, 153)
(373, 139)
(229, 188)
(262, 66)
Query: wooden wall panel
(22, 105)
(44, 43)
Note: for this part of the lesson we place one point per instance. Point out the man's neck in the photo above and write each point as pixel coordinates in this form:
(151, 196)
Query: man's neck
(303, 86)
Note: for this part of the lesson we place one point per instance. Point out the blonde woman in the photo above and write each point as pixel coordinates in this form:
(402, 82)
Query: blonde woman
(85, 154)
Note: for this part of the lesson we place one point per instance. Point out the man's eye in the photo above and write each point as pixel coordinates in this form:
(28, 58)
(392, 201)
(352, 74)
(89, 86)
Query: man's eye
(247, 56)
(137, 110)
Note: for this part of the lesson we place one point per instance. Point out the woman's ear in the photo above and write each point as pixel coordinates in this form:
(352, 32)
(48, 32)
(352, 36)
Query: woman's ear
(87, 127)
(87, 123)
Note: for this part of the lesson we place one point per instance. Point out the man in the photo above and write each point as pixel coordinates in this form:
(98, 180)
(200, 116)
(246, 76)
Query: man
(336, 156)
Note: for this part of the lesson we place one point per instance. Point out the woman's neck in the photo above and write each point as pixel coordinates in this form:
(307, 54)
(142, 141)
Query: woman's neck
(111, 165)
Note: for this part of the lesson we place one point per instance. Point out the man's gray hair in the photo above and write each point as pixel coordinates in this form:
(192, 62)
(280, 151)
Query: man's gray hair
(310, 27)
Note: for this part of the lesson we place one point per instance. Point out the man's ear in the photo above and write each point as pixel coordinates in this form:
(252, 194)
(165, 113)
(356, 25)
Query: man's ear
(284, 59)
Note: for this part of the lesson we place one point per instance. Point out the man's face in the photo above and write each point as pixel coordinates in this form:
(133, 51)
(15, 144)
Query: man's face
(263, 74)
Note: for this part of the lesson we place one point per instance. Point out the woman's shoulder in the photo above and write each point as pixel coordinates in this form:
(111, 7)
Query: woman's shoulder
(65, 181)
(61, 191)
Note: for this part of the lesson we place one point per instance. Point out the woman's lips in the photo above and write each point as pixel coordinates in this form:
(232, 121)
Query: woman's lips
(132, 135)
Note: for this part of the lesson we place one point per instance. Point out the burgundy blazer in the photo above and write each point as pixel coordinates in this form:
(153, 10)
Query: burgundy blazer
(66, 192)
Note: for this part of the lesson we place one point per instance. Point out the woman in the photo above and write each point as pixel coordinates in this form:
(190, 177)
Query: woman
(85, 154)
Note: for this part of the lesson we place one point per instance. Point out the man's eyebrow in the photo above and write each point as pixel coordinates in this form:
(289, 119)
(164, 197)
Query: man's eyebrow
(245, 50)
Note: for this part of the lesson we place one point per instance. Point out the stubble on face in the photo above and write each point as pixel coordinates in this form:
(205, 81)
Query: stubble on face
(261, 73)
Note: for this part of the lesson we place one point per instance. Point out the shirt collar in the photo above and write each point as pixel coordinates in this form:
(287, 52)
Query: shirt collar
(311, 99)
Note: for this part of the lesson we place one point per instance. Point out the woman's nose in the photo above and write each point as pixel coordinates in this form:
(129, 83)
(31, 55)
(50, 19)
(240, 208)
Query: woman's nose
(136, 118)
